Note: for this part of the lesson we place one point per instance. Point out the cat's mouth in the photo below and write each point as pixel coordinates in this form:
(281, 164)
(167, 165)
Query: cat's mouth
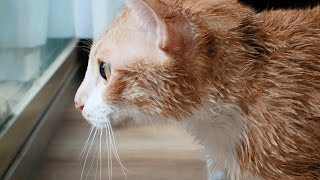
(109, 121)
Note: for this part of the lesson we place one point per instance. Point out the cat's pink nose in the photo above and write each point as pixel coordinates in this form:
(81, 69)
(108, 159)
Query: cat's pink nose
(78, 105)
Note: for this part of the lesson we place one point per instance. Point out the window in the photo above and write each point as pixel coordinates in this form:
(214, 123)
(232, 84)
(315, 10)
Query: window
(36, 38)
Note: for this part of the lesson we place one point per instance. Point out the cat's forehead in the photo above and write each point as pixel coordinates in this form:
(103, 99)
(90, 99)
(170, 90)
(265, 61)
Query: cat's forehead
(125, 46)
(113, 49)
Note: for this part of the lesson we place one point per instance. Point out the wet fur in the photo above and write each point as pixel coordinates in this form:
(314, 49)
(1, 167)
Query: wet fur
(254, 77)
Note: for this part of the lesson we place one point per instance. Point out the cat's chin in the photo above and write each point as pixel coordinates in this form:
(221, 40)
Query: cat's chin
(112, 123)
(98, 125)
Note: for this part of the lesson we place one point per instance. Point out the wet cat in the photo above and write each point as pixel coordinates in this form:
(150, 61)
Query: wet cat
(246, 84)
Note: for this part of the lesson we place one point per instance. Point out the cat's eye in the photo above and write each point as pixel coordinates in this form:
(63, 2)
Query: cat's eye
(105, 70)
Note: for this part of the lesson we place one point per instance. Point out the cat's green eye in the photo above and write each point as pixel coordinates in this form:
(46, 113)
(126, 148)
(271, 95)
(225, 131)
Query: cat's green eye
(105, 70)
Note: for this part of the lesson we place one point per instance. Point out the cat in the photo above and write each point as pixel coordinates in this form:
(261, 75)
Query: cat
(247, 85)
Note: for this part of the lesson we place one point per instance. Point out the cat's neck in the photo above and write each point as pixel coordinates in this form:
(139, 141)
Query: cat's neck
(222, 49)
(228, 40)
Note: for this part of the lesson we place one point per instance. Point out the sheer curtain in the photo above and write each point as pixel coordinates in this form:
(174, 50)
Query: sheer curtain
(80, 18)
(28, 23)
(34, 32)
(26, 26)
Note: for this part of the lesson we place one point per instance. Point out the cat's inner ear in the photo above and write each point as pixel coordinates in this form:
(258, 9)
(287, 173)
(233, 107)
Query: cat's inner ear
(165, 24)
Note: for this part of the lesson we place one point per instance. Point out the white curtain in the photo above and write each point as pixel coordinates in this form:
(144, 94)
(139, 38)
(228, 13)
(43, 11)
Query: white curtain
(25, 26)
(81, 18)
(28, 23)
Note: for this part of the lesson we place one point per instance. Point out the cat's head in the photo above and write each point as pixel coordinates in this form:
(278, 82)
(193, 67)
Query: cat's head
(143, 65)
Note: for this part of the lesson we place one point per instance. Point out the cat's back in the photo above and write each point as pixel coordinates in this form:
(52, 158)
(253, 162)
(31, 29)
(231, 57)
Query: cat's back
(288, 52)
(291, 17)
(292, 30)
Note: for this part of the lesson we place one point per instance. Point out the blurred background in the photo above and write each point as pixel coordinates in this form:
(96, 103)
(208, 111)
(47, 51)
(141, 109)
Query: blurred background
(44, 46)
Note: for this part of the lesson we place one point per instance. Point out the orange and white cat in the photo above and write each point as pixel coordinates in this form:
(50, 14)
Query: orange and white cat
(246, 84)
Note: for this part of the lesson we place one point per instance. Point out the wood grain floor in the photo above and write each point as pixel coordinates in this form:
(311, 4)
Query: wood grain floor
(166, 153)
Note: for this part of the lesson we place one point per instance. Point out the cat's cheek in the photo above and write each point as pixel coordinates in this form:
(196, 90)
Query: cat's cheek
(96, 111)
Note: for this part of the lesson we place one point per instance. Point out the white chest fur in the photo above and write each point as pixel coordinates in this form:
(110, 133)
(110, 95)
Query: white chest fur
(218, 127)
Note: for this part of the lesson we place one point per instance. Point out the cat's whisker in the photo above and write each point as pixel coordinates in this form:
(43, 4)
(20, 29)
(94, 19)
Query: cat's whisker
(94, 157)
(84, 48)
(145, 120)
(85, 146)
(154, 129)
(116, 152)
(87, 47)
(97, 152)
(85, 161)
(110, 152)
(101, 131)
(87, 43)
(107, 149)
(201, 113)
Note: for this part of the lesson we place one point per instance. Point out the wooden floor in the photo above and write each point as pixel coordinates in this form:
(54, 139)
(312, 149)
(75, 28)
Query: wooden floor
(164, 152)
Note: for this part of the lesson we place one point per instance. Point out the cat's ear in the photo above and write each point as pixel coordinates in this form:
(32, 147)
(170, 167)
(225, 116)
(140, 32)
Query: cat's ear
(171, 30)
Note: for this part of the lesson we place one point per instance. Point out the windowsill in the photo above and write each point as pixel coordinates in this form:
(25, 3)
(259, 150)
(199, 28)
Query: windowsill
(27, 113)
(5, 111)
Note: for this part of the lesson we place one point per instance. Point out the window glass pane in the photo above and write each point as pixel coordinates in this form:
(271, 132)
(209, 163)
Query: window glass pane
(20, 68)
(26, 50)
